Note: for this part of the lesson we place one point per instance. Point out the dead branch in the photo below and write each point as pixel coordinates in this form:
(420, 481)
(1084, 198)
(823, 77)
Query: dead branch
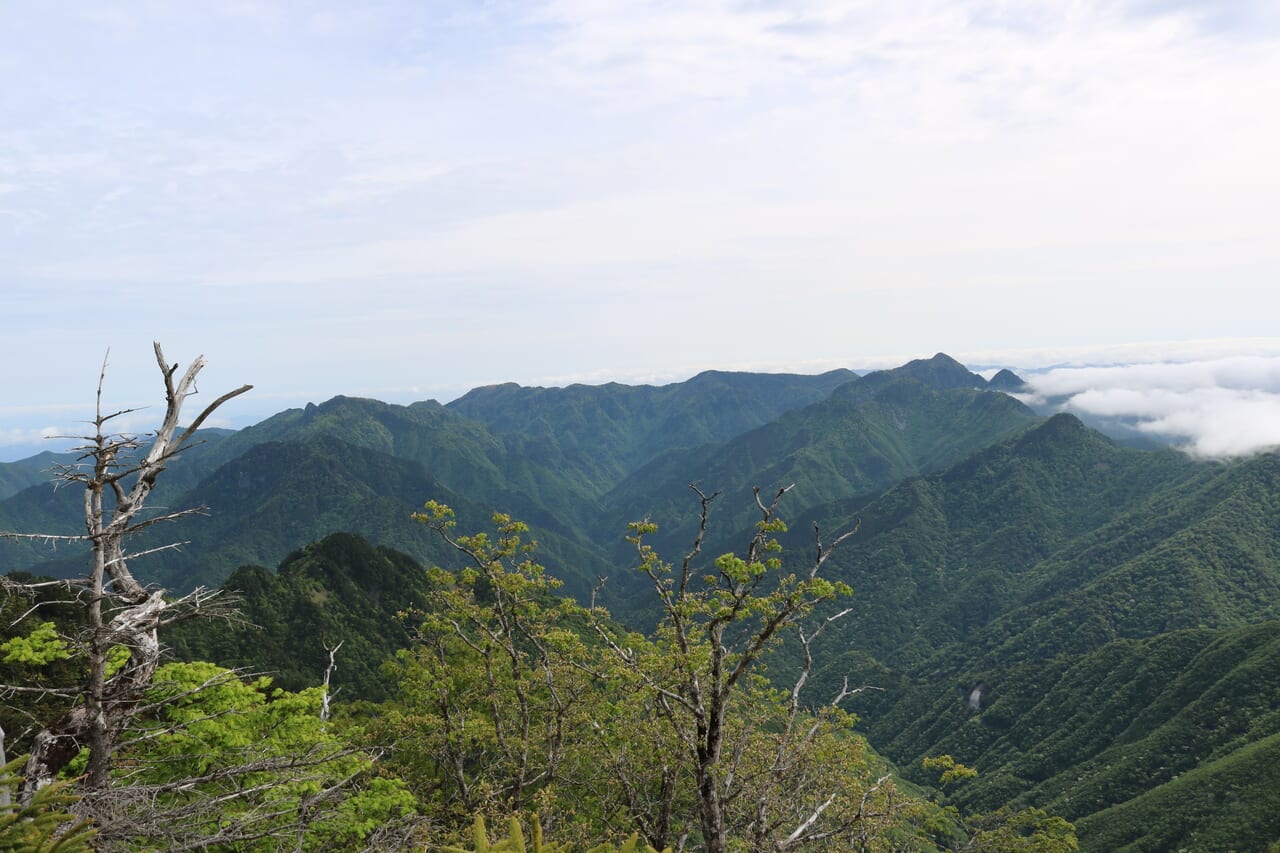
(119, 610)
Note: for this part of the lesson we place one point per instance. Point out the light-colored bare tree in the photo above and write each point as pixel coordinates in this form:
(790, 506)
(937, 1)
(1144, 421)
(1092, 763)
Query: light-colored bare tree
(118, 472)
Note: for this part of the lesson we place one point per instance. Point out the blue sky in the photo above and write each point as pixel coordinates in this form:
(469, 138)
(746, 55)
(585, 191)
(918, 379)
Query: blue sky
(405, 200)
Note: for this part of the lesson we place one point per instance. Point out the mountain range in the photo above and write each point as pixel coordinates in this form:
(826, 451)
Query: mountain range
(1092, 625)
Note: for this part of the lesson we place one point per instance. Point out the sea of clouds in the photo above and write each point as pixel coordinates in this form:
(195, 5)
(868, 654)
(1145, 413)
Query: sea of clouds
(1214, 407)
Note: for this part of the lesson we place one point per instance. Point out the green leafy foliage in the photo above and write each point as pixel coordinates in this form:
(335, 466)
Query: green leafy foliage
(952, 770)
(1025, 831)
(493, 689)
(515, 700)
(37, 626)
(236, 765)
(40, 647)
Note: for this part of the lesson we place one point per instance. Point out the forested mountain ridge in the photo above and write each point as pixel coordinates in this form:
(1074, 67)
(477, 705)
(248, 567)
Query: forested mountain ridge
(952, 551)
(1025, 608)
(839, 448)
(1087, 624)
(284, 486)
(340, 589)
(609, 430)
(32, 471)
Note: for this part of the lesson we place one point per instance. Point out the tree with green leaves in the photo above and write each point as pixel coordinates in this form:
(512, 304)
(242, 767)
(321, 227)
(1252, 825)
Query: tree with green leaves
(514, 842)
(1005, 830)
(185, 756)
(216, 762)
(766, 769)
(515, 700)
(497, 683)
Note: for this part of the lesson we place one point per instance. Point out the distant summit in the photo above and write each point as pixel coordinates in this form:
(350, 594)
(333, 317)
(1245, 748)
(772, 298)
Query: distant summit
(942, 372)
(1008, 381)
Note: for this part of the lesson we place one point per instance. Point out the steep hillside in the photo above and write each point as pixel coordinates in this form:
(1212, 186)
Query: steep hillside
(45, 506)
(339, 589)
(33, 471)
(527, 477)
(1095, 627)
(279, 496)
(1162, 743)
(1081, 622)
(941, 556)
(607, 431)
(847, 445)
(359, 465)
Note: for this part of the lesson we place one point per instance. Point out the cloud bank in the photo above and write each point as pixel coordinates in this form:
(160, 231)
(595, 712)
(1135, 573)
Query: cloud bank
(1215, 408)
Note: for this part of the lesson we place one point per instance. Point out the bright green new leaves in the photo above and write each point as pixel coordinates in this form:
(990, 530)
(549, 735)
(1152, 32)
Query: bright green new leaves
(515, 701)
(952, 770)
(42, 646)
(240, 766)
(766, 771)
(1006, 830)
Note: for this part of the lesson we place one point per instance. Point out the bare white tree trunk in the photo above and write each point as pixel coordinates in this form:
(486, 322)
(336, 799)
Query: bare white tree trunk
(117, 480)
(328, 674)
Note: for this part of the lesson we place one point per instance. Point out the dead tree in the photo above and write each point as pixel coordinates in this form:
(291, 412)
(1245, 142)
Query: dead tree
(118, 472)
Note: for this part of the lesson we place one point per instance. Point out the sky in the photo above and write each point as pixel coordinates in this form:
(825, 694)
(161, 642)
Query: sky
(404, 200)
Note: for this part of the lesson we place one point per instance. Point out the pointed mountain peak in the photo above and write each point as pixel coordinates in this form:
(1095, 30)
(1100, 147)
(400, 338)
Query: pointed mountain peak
(1007, 380)
(1064, 423)
(1060, 432)
(941, 372)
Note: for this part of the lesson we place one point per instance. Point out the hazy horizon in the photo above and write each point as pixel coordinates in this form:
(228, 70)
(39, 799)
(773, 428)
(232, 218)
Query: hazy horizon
(403, 200)
(1216, 399)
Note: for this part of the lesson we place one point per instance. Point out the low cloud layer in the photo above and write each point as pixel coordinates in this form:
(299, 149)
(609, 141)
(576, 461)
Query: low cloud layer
(1213, 408)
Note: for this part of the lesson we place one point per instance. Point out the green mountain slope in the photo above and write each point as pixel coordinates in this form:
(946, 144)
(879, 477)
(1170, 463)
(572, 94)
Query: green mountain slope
(33, 471)
(1161, 743)
(526, 477)
(1227, 804)
(939, 557)
(847, 445)
(1096, 628)
(1079, 621)
(279, 496)
(607, 431)
(339, 589)
(282, 495)
(45, 506)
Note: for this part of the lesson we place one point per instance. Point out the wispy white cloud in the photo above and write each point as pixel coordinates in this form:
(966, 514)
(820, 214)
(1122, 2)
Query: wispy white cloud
(32, 436)
(328, 196)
